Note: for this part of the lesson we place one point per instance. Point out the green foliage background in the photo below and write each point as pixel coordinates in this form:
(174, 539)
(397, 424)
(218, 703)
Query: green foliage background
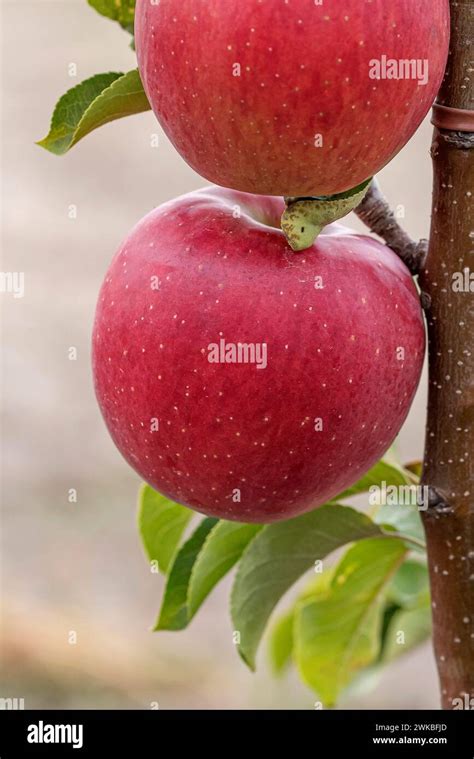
(348, 617)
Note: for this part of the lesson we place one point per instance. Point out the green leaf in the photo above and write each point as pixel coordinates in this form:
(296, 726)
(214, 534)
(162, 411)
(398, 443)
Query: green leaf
(122, 11)
(278, 556)
(404, 519)
(407, 629)
(92, 103)
(410, 585)
(340, 634)
(280, 643)
(174, 609)
(317, 586)
(161, 524)
(408, 590)
(383, 471)
(223, 548)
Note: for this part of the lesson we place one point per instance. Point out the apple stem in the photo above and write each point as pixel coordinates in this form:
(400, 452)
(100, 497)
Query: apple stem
(449, 449)
(304, 218)
(375, 212)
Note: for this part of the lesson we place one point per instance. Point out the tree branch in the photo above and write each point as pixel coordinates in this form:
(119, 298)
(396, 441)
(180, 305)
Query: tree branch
(377, 215)
(448, 467)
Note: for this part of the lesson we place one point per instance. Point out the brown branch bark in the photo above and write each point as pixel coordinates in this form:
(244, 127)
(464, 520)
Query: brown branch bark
(377, 215)
(449, 451)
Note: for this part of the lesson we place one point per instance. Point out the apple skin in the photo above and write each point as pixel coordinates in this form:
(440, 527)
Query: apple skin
(304, 72)
(227, 427)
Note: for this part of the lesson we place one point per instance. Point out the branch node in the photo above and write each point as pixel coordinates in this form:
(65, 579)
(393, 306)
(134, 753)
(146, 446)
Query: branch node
(438, 504)
(460, 140)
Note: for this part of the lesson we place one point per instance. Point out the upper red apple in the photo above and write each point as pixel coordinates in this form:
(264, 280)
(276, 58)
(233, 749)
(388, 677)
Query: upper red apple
(280, 97)
(245, 380)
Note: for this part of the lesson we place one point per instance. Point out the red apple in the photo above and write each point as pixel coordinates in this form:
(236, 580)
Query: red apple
(280, 97)
(334, 343)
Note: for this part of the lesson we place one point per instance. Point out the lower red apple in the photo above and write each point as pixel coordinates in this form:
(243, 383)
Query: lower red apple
(242, 379)
(291, 97)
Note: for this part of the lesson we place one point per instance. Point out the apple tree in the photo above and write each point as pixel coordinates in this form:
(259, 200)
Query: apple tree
(254, 360)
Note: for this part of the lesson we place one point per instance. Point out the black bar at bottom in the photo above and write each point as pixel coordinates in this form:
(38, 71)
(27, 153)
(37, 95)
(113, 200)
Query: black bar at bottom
(368, 733)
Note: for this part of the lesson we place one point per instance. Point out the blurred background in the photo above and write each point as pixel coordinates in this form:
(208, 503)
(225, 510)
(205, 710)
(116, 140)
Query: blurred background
(78, 567)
